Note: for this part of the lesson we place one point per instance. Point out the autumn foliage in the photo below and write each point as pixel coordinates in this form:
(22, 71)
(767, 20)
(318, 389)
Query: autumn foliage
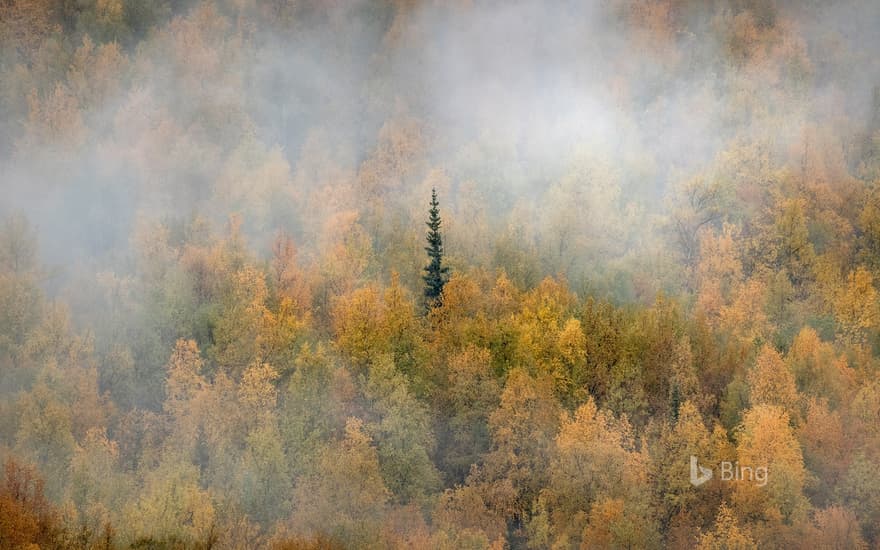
(224, 324)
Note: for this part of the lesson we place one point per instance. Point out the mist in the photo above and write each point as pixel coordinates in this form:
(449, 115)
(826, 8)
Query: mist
(659, 219)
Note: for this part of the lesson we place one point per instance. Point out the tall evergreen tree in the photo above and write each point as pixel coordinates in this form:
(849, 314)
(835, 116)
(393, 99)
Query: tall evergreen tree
(436, 274)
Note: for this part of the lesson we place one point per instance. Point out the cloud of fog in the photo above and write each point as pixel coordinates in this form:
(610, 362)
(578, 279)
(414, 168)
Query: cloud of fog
(507, 95)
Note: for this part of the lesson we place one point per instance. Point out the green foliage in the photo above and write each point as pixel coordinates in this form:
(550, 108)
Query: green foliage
(436, 274)
(343, 495)
(402, 433)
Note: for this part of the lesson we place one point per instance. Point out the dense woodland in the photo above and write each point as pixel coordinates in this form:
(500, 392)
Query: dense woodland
(660, 219)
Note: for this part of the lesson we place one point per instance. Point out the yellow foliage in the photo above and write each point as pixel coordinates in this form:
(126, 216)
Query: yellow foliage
(727, 534)
(766, 439)
(772, 383)
(857, 308)
(256, 393)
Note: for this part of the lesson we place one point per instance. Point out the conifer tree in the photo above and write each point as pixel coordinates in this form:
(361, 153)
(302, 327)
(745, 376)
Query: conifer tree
(436, 274)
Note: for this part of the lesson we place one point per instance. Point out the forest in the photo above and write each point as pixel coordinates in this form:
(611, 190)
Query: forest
(425, 274)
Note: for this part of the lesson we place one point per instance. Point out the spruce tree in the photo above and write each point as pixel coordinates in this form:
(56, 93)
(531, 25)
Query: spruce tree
(436, 274)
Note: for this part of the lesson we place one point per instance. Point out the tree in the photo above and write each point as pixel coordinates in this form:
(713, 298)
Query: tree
(726, 534)
(464, 509)
(696, 204)
(288, 278)
(314, 406)
(44, 432)
(614, 523)
(594, 460)
(183, 388)
(236, 333)
(766, 439)
(344, 495)
(856, 306)
(436, 274)
(263, 478)
(21, 301)
(838, 527)
(670, 455)
(97, 488)
(772, 383)
(473, 393)
(171, 505)
(522, 428)
(794, 250)
(27, 518)
(826, 450)
(357, 320)
(402, 434)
